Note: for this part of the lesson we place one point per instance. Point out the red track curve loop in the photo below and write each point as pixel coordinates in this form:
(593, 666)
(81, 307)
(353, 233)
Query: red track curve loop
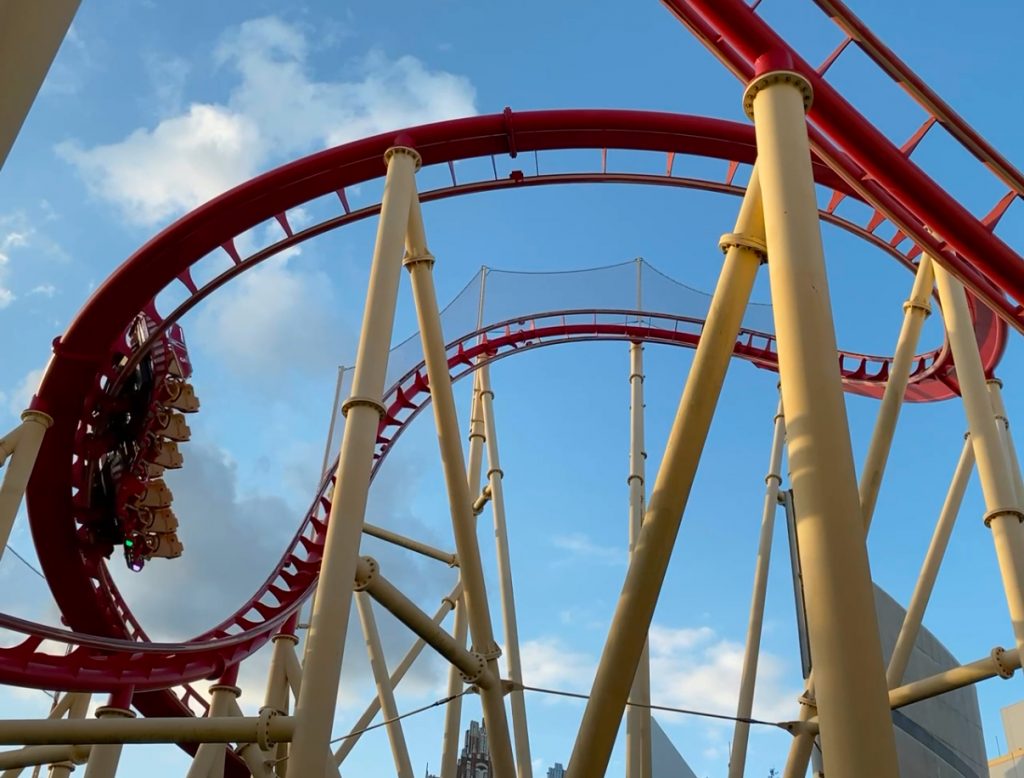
(81, 586)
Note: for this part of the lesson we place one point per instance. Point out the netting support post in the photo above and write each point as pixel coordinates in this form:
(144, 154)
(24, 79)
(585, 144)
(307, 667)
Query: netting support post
(447, 605)
(748, 677)
(856, 727)
(325, 648)
(495, 476)
(638, 715)
(20, 449)
(420, 263)
(1003, 509)
(649, 560)
(104, 758)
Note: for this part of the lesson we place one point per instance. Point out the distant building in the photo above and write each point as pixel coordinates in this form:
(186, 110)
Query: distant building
(475, 760)
(557, 771)
(429, 774)
(1010, 764)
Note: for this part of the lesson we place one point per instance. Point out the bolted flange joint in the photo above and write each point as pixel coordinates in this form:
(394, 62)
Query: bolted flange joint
(1003, 512)
(737, 240)
(491, 652)
(263, 728)
(1003, 669)
(790, 77)
(355, 401)
(810, 702)
(405, 151)
(366, 571)
(480, 668)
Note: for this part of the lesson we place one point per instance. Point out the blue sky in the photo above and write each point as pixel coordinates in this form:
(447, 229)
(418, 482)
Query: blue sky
(152, 108)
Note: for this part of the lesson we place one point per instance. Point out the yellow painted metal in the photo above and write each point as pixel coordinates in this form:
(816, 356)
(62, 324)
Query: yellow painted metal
(420, 262)
(453, 715)
(104, 758)
(347, 744)
(930, 568)
(915, 311)
(474, 466)
(995, 389)
(385, 692)
(77, 705)
(649, 561)
(638, 715)
(856, 729)
(495, 476)
(745, 705)
(1003, 515)
(184, 729)
(419, 547)
(210, 757)
(325, 642)
(31, 756)
(26, 442)
(30, 34)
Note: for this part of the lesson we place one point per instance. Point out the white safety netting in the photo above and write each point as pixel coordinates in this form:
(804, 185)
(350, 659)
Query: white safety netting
(493, 296)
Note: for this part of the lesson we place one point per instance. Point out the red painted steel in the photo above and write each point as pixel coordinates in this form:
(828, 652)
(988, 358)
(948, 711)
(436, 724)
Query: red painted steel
(865, 159)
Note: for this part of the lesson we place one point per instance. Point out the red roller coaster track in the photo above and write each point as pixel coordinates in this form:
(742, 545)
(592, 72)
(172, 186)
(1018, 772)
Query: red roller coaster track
(81, 371)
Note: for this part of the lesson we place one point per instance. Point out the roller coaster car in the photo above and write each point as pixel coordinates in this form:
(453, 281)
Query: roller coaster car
(144, 425)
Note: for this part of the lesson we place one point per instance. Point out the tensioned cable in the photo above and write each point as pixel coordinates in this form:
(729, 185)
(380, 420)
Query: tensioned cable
(666, 708)
(399, 717)
(25, 562)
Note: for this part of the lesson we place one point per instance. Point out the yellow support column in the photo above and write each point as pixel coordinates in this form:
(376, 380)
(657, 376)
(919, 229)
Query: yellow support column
(325, 647)
(104, 758)
(998, 485)
(853, 707)
(22, 448)
(649, 560)
(420, 262)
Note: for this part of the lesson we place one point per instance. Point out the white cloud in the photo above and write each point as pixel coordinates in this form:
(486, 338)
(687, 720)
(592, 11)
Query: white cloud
(579, 544)
(277, 108)
(273, 317)
(46, 290)
(548, 662)
(691, 668)
(19, 397)
(697, 670)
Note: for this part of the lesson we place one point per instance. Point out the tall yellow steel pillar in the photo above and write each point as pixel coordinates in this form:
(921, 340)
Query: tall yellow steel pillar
(998, 485)
(104, 758)
(314, 708)
(648, 563)
(420, 262)
(853, 706)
